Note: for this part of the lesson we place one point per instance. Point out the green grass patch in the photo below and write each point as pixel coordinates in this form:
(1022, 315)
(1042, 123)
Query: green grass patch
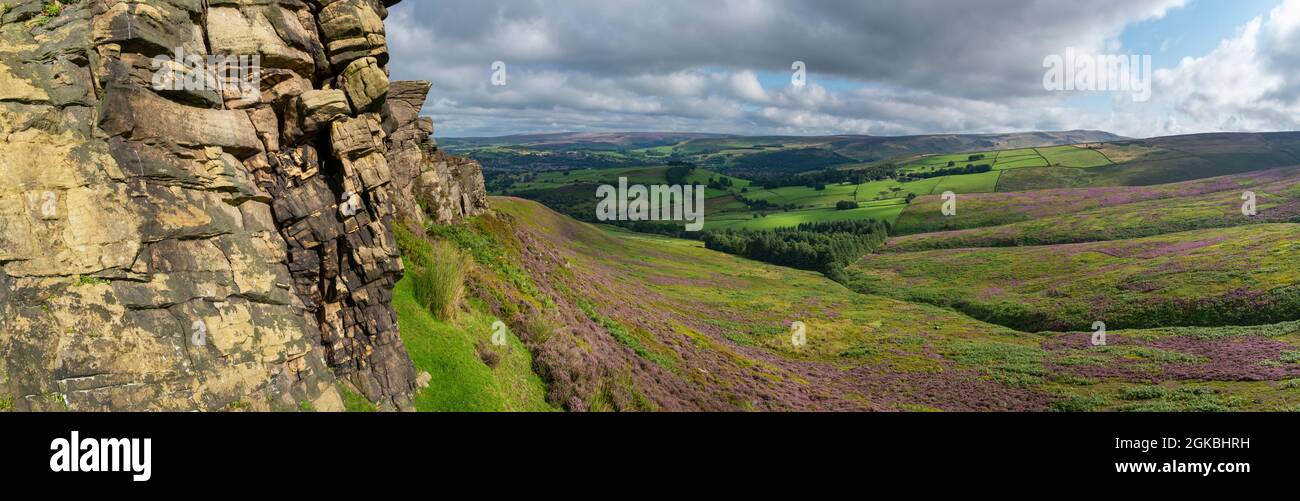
(1142, 393)
(1017, 366)
(450, 352)
(355, 402)
(984, 182)
(84, 280)
(439, 284)
(886, 211)
(1071, 156)
(1080, 403)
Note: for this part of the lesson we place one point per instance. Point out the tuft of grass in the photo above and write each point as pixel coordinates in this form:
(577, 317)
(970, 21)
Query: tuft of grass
(84, 280)
(239, 406)
(1142, 393)
(487, 250)
(1076, 403)
(440, 283)
(50, 11)
(355, 402)
(541, 329)
(860, 350)
(305, 406)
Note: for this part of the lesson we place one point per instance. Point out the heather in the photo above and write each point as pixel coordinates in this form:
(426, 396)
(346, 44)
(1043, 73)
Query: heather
(645, 322)
(988, 310)
(1277, 201)
(1230, 276)
(977, 210)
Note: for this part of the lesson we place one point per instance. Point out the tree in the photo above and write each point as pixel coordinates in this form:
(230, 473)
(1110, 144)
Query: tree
(825, 246)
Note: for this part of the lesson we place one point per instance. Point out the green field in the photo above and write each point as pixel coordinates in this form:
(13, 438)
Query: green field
(1044, 178)
(803, 196)
(1006, 163)
(886, 210)
(985, 182)
(878, 199)
(937, 162)
(1007, 155)
(1072, 156)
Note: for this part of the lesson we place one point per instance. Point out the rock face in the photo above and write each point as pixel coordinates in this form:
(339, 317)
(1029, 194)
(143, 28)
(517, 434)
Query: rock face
(180, 247)
(429, 183)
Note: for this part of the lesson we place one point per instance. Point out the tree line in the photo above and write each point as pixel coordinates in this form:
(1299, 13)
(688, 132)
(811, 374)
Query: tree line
(951, 171)
(826, 247)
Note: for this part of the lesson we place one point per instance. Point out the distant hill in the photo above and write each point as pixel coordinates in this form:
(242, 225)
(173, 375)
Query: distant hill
(857, 147)
(577, 140)
(871, 148)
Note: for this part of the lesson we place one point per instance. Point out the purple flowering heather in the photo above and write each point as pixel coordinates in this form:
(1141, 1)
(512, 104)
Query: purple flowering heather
(1243, 358)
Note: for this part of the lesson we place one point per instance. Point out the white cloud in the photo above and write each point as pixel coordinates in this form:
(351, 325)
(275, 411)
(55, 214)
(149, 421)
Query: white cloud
(921, 66)
(1248, 83)
(746, 86)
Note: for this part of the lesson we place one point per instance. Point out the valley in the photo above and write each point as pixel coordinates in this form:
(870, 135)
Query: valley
(885, 189)
(991, 309)
(616, 320)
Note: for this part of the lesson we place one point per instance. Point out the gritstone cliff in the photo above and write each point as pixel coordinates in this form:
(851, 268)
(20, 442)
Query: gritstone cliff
(208, 248)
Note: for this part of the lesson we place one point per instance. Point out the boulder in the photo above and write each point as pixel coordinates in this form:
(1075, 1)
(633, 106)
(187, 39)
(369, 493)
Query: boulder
(365, 83)
(352, 29)
(247, 31)
(318, 108)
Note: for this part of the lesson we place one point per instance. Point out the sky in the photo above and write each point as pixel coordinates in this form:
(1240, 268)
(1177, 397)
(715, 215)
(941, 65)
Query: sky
(884, 67)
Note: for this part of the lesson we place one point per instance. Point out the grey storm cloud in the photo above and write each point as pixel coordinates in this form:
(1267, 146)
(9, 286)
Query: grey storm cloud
(875, 67)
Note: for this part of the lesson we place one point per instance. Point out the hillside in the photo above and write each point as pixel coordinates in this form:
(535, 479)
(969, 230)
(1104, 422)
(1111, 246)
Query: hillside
(860, 148)
(623, 321)
(732, 154)
(1089, 214)
(1227, 276)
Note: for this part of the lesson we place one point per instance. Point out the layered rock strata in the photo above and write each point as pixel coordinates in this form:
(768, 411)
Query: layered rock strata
(204, 245)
